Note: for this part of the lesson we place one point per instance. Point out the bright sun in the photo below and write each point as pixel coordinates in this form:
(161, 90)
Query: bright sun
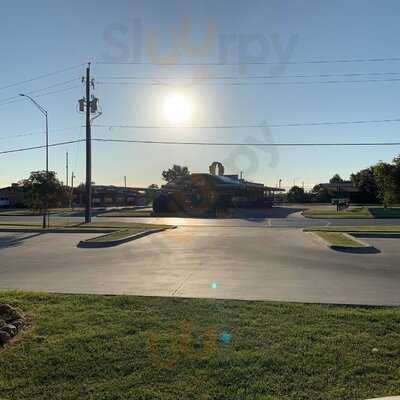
(177, 109)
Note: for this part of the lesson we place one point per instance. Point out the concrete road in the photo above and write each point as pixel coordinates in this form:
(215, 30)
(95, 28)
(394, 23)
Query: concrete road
(217, 262)
(292, 221)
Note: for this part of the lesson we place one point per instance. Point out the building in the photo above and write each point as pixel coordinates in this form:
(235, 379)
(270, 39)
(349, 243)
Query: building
(207, 193)
(111, 196)
(12, 196)
(342, 190)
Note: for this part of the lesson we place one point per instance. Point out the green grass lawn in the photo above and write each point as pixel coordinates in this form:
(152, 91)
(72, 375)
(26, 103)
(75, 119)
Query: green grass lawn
(114, 230)
(356, 212)
(335, 235)
(339, 239)
(96, 224)
(119, 347)
(356, 229)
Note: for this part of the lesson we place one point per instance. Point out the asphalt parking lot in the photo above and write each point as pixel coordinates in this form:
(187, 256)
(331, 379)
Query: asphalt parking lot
(220, 262)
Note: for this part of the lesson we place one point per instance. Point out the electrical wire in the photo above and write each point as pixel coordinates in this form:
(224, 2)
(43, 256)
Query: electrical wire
(296, 124)
(42, 95)
(245, 126)
(258, 144)
(276, 76)
(40, 90)
(41, 146)
(36, 133)
(337, 61)
(41, 76)
(206, 83)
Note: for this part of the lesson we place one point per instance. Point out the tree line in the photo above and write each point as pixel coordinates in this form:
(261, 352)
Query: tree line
(379, 183)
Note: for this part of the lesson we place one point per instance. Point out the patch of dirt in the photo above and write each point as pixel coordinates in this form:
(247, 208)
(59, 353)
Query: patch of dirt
(12, 321)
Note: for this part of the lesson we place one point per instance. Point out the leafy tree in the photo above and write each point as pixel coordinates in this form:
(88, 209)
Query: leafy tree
(42, 188)
(175, 172)
(336, 179)
(151, 194)
(320, 194)
(365, 182)
(296, 194)
(388, 189)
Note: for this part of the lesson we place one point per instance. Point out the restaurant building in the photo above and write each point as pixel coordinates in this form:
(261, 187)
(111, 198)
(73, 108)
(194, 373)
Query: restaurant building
(208, 193)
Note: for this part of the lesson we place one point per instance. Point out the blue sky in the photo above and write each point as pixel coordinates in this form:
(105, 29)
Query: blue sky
(46, 36)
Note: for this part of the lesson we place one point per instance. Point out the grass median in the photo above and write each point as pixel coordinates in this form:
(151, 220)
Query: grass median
(356, 229)
(341, 237)
(353, 213)
(121, 347)
(109, 231)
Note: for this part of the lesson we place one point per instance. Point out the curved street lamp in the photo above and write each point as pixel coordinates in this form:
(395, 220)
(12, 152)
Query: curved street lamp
(44, 112)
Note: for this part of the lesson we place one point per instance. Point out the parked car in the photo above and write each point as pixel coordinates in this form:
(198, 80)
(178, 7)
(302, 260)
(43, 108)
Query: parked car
(4, 202)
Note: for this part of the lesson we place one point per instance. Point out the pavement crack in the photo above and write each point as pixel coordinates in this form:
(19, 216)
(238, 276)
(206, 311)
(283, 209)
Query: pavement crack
(182, 284)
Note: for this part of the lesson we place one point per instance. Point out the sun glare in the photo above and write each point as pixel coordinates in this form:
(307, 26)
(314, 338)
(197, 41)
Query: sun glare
(177, 109)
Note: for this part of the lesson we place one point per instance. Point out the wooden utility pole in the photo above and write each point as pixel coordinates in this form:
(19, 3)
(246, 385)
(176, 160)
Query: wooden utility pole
(66, 169)
(88, 206)
(125, 198)
(71, 196)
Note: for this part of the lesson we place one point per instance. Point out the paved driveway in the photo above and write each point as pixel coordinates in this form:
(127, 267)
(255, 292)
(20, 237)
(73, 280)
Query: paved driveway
(221, 262)
(276, 217)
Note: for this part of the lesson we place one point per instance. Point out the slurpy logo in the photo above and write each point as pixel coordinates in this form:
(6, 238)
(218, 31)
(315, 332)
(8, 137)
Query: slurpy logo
(248, 154)
(133, 43)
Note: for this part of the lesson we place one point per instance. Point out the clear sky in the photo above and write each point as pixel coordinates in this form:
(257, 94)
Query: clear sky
(45, 36)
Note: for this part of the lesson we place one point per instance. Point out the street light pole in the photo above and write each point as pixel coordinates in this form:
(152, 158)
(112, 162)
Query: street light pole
(44, 112)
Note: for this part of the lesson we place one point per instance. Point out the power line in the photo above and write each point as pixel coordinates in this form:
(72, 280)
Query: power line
(41, 147)
(245, 126)
(276, 76)
(206, 83)
(40, 90)
(258, 144)
(36, 133)
(42, 95)
(320, 61)
(41, 76)
(295, 124)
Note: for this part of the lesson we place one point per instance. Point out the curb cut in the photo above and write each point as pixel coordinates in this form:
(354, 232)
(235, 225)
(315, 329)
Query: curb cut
(95, 245)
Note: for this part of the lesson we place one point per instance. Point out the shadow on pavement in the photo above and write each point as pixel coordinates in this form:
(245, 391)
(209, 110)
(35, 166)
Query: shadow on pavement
(15, 240)
(274, 212)
(380, 212)
(357, 250)
(378, 235)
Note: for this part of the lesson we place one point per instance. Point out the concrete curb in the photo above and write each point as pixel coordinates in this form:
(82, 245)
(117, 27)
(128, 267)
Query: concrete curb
(95, 245)
(366, 248)
(386, 398)
(57, 230)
